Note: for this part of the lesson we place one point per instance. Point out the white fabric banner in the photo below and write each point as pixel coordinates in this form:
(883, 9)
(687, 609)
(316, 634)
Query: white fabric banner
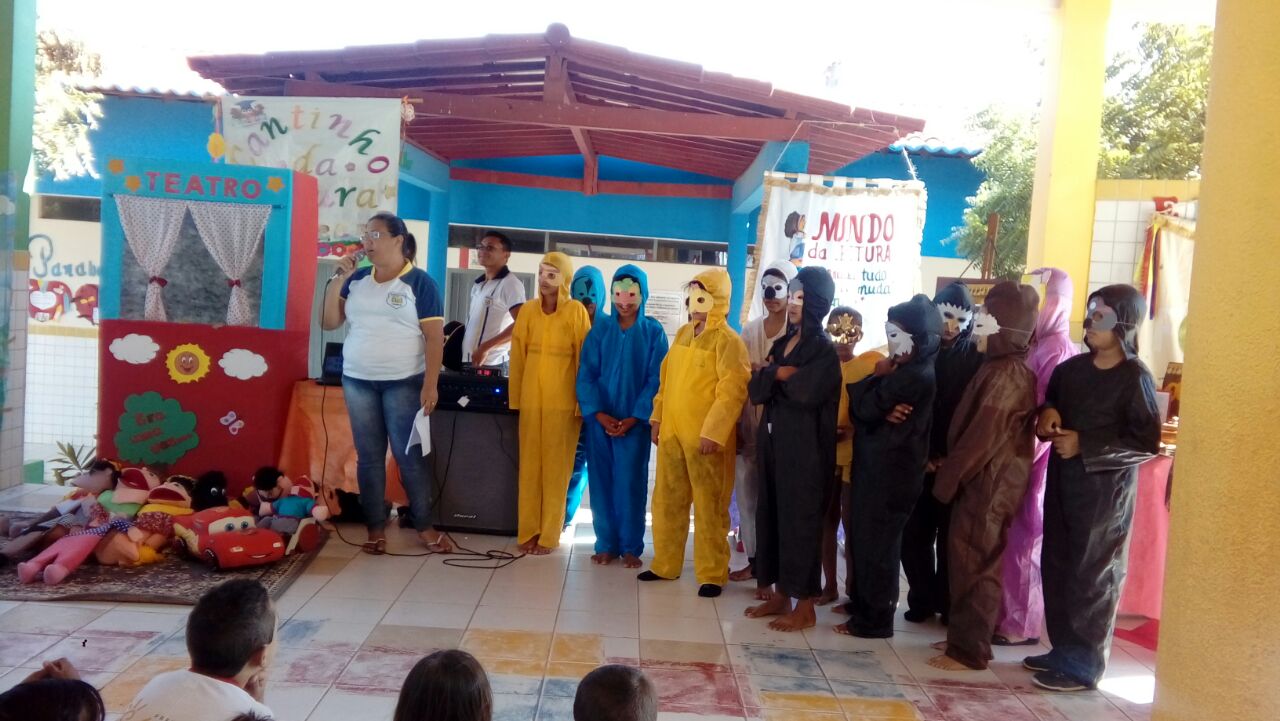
(1168, 294)
(350, 145)
(867, 233)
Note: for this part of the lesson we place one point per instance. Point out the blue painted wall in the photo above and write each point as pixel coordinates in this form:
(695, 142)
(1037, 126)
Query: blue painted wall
(509, 206)
(949, 182)
(140, 128)
(413, 202)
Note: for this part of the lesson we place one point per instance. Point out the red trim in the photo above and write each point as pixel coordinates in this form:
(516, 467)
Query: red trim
(608, 187)
(159, 281)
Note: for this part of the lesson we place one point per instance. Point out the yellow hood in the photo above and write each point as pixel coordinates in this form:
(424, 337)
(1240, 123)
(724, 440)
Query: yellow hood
(565, 265)
(717, 283)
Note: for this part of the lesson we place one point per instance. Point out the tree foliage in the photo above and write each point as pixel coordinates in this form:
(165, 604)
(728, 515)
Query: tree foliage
(1153, 122)
(64, 113)
(1152, 127)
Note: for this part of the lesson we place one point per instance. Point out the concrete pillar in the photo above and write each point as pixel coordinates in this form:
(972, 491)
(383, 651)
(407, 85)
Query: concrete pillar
(438, 241)
(1219, 638)
(739, 239)
(1070, 128)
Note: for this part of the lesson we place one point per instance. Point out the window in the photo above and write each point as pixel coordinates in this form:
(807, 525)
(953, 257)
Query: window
(65, 207)
(522, 241)
(692, 253)
(602, 246)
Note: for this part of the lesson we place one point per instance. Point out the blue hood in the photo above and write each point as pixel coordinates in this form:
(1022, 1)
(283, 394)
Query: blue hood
(638, 274)
(588, 285)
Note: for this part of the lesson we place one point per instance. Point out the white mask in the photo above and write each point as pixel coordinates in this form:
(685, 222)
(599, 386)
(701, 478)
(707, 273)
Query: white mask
(985, 325)
(900, 342)
(954, 317)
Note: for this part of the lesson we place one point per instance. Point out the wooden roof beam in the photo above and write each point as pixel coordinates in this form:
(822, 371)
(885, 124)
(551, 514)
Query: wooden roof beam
(558, 90)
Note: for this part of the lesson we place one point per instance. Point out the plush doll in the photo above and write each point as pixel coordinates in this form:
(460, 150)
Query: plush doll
(210, 491)
(59, 560)
(269, 485)
(126, 499)
(153, 525)
(296, 515)
(71, 513)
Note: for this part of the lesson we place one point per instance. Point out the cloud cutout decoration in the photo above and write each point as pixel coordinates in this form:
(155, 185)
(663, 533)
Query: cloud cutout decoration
(243, 364)
(135, 349)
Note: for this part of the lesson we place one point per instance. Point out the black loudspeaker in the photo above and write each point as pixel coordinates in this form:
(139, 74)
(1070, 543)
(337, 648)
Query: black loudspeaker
(475, 464)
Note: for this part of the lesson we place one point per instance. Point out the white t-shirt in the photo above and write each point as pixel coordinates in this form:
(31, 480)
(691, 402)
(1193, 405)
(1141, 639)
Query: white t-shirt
(188, 696)
(384, 342)
(490, 314)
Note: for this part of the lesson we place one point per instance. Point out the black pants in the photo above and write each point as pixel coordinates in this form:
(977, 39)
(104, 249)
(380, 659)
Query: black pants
(924, 554)
(880, 509)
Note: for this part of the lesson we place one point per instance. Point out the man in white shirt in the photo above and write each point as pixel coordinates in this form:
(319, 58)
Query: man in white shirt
(495, 299)
(231, 638)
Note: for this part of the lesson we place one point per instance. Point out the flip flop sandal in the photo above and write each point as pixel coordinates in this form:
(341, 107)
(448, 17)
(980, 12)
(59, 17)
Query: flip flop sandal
(440, 545)
(375, 548)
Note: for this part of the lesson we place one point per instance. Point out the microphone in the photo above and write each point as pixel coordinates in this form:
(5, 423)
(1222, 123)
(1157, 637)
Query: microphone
(358, 256)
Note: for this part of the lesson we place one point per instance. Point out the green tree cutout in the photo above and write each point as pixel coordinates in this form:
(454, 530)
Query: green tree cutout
(1152, 127)
(64, 113)
(155, 430)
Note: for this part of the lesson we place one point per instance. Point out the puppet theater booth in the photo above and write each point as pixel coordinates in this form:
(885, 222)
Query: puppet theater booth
(207, 280)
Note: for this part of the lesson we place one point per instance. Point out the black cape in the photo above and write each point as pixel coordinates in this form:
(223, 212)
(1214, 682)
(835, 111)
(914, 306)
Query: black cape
(796, 448)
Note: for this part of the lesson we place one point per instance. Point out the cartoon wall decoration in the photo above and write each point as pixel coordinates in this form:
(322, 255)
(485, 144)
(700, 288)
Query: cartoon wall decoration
(206, 283)
(47, 301)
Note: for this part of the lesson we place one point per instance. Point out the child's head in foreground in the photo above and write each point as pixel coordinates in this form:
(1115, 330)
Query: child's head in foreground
(615, 693)
(446, 686)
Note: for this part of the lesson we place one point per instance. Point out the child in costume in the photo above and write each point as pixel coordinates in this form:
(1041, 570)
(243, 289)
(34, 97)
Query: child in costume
(619, 374)
(700, 396)
(1022, 610)
(759, 336)
(891, 412)
(1100, 415)
(545, 348)
(985, 474)
(799, 390)
(845, 328)
(588, 289)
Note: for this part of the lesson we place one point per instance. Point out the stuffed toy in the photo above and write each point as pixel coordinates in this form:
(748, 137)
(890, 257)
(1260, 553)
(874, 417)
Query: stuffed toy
(295, 515)
(269, 485)
(210, 491)
(153, 525)
(130, 492)
(71, 513)
(59, 560)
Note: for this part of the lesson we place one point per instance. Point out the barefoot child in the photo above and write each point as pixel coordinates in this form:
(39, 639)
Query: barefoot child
(845, 328)
(985, 474)
(759, 335)
(617, 379)
(799, 389)
(891, 412)
(544, 366)
(700, 396)
(1100, 415)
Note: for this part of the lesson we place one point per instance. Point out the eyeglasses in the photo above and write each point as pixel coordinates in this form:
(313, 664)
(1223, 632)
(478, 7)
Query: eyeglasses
(371, 235)
(485, 247)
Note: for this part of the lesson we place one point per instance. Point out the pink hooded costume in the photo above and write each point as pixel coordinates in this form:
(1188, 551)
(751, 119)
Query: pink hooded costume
(1022, 610)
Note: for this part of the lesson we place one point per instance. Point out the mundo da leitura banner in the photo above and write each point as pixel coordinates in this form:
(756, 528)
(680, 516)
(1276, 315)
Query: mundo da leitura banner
(350, 145)
(865, 232)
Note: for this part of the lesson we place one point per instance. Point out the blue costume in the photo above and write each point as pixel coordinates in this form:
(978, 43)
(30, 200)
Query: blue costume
(587, 287)
(618, 375)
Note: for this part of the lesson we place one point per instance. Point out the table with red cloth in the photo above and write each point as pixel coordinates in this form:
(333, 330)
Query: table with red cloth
(1148, 541)
(318, 444)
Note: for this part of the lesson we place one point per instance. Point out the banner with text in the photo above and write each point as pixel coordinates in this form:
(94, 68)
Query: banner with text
(350, 145)
(867, 233)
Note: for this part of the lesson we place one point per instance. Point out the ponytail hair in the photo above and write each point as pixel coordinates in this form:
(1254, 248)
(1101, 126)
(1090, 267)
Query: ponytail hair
(396, 226)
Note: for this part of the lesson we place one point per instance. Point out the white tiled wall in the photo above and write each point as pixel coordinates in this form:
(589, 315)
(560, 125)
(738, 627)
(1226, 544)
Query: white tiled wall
(11, 451)
(62, 378)
(1119, 236)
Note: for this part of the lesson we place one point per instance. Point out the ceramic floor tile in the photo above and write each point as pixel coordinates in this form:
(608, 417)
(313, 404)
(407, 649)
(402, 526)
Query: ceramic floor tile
(514, 707)
(968, 704)
(320, 666)
(345, 610)
(412, 639)
(518, 645)
(380, 671)
(873, 666)
(756, 631)
(686, 585)
(126, 685)
(694, 687)
(608, 579)
(522, 596)
(348, 704)
(1072, 707)
(310, 632)
(533, 571)
(577, 648)
(46, 618)
(555, 708)
(684, 654)
(772, 661)
(563, 678)
(436, 615)
(514, 618)
(365, 585)
(684, 712)
(603, 601)
(598, 622)
(625, 651)
(680, 606)
(102, 653)
(527, 681)
(99, 679)
(121, 620)
(787, 692)
(665, 628)
(914, 652)
(293, 701)
(883, 701)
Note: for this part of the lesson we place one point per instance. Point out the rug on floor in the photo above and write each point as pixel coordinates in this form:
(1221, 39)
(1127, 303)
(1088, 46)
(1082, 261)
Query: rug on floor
(174, 580)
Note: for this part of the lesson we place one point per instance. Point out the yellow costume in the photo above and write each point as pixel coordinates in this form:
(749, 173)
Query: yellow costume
(544, 369)
(702, 391)
(851, 371)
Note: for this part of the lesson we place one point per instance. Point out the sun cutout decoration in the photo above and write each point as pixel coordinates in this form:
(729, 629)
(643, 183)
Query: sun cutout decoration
(133, 182)
(217, 145)
(274, 184)
(187, 363)
(116, 166)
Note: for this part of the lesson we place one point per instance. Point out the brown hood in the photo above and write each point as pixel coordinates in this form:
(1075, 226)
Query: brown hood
(1016, 308)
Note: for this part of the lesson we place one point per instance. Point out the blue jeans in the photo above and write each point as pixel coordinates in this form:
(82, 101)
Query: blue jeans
(383, 411)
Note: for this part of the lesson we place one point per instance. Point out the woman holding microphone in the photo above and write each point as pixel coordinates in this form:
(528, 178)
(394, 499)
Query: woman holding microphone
(390, 364)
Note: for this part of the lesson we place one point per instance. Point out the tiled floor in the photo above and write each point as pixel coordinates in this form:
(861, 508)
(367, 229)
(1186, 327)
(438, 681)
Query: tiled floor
(353, 625)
